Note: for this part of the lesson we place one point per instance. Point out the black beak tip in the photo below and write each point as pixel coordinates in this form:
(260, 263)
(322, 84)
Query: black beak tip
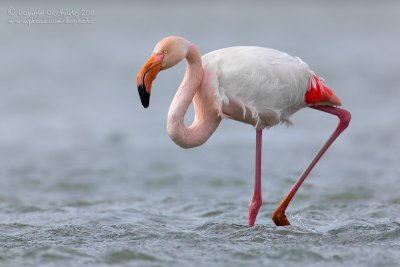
(144, 96)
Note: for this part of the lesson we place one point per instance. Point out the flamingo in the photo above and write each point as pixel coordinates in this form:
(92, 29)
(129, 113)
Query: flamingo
(259, 86)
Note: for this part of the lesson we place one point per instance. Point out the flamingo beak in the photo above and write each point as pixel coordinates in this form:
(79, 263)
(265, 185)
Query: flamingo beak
(146, 76)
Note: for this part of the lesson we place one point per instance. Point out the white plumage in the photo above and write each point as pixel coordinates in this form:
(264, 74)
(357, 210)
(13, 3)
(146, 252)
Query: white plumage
(263, 81)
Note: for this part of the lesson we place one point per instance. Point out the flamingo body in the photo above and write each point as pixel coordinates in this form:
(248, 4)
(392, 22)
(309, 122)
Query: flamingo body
(261, 86)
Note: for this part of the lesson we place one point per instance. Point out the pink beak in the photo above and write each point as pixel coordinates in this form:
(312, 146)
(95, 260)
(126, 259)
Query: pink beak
(146, 76)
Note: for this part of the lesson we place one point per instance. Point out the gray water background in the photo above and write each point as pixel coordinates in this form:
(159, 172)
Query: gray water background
(90, 178)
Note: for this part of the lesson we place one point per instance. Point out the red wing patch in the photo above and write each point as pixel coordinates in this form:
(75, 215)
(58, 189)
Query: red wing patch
(320, 93)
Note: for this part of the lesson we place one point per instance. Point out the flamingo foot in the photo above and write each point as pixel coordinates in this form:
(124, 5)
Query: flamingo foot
(254, 207)
(280, 218)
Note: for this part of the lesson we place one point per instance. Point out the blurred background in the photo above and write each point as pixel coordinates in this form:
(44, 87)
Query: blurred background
(80, 155)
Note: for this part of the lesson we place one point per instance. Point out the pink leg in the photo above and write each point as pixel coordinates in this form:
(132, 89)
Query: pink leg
(278, 216)
(256, 202)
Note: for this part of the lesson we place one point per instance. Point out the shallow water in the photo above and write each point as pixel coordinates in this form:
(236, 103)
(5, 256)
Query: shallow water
(90, 178)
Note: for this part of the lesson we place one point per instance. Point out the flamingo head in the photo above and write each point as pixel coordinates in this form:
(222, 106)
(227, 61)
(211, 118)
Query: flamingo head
(167, 53)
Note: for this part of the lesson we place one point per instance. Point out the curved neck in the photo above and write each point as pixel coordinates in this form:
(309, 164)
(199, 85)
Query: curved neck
(205, 121)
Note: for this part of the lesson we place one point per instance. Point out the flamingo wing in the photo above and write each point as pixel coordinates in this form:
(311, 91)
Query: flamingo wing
(258, 85)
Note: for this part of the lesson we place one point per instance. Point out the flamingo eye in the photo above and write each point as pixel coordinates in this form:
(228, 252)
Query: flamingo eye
(165, 51)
